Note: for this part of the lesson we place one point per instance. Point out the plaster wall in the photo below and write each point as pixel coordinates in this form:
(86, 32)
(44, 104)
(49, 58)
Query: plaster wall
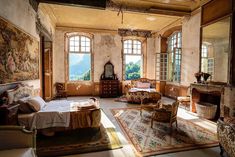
(150, 73)
(107, 46)
(190, 48)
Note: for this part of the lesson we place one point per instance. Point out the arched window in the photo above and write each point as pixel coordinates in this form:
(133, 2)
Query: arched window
(132, 59)
(79, 58)
(174, 56)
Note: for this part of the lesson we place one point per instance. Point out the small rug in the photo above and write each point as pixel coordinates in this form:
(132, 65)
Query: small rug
(161, 139)
(78, 141)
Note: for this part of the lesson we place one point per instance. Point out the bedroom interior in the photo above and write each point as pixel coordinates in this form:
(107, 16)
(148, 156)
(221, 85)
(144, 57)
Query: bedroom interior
(117, 78)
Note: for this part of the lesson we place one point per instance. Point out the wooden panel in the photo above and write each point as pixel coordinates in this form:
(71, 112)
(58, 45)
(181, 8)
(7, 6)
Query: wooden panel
(47, 84)
(215, 9)
(80, 88)
(172, 91)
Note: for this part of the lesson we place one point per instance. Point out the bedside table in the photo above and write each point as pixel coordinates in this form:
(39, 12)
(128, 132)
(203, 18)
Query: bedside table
(8, 114)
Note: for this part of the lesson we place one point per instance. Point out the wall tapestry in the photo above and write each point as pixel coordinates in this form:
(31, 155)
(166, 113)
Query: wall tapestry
(19, 54)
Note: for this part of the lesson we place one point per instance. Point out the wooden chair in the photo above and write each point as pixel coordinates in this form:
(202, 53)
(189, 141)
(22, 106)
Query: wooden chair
(166, 114)
(61, 90)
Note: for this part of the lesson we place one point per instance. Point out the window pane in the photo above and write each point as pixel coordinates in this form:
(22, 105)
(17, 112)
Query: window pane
(79, 66)
(132, 67)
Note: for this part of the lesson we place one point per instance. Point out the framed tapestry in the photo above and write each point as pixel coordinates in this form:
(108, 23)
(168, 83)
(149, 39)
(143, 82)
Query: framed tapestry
(19, 54)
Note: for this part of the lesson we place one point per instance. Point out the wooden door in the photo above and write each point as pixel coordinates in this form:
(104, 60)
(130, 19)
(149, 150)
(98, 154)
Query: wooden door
(47, 70)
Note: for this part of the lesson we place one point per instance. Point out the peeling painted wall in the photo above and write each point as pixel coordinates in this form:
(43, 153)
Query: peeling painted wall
(151, 58)
(107, 46)
(190, 49)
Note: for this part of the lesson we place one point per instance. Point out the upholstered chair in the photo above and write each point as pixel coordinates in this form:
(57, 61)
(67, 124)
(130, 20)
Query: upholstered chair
(147, 104)
(61, 90)
(166, 114)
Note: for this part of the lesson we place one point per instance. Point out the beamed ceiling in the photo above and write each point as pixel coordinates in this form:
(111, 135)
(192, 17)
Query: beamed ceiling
(151, 15)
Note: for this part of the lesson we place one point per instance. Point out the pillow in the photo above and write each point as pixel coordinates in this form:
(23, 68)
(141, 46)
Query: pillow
(24, 106)
(143, 85)
(36, 103)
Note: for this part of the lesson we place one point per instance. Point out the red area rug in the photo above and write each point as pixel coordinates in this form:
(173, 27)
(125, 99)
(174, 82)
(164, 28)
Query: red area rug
(160, 139)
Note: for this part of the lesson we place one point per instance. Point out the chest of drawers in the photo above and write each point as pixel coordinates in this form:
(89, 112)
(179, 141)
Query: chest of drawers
(109, 88)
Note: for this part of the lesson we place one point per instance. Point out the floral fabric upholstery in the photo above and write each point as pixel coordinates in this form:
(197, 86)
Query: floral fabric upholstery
(146, 95)
(226, 135)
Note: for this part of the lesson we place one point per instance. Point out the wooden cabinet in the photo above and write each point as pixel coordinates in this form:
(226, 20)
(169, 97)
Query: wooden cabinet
(109, 88)
(8, 114)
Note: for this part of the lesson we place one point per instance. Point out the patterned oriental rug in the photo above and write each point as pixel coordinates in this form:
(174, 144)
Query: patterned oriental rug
(160, 139)
(78, 141)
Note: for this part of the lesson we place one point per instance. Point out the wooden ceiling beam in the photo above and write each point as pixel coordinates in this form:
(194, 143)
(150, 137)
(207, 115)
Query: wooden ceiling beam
(98, 4)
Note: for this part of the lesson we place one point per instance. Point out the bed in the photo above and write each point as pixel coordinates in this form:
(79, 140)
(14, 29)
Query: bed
(56, 115)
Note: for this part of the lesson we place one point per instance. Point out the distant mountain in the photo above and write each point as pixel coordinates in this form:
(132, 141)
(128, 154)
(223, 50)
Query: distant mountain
(81, 67)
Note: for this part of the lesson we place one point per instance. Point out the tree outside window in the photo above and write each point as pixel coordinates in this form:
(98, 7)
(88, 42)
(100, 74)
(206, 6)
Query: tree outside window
(132, 59)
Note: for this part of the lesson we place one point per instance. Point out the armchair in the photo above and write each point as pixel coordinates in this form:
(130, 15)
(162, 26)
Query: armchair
(16, 141)
(226, 135)
(166, 114)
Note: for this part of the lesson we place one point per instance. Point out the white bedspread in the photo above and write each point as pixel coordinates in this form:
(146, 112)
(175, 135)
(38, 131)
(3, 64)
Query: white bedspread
(54, 114)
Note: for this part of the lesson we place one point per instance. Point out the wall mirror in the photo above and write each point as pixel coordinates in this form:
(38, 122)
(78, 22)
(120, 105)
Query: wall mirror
(108, 72)
(215, 49)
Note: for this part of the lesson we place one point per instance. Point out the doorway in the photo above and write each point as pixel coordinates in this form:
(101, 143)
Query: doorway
(46, 67)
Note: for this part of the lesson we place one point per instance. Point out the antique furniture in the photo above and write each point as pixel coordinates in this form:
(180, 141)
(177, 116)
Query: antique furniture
(145, 105)
(8, 114)
(61, 90)
(140, 86)
(185, 100)
(109, 84)
(17, 142)
(166, 114)
(58, 115)
(226, 135)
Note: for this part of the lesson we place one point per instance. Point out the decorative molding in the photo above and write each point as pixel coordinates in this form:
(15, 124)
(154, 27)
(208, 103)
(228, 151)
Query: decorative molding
(138, 33)
(41, 29)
